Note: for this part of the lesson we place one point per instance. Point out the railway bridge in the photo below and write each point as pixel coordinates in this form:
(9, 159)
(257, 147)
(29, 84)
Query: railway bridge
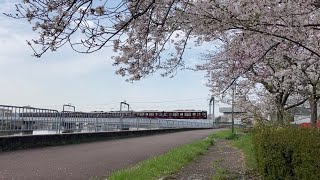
(28, 120)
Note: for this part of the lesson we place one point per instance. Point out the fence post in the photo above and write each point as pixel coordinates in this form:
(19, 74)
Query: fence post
(96, 129)
(120, 121)
(60, 121)
(137, 123)
(150, 124)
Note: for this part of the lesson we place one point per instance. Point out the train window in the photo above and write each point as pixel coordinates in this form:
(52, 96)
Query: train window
(194, 114)
(199, 114)
(165, 114)
(175, 114)
(147, 114)
(187, 114)
(181, 114)
(151, 114)
(160, 114)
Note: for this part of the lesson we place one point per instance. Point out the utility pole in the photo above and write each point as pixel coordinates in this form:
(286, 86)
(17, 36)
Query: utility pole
(232, 109)
(121, 115)
(212, 115)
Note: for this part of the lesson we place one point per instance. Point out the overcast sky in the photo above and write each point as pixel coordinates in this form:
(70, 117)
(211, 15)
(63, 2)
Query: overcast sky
(87, 81)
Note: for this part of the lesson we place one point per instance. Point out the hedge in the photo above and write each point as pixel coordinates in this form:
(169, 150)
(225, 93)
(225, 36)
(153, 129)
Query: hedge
(287, 152)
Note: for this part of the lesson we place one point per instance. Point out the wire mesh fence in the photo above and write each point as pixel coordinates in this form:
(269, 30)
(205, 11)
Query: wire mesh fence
(30, 120)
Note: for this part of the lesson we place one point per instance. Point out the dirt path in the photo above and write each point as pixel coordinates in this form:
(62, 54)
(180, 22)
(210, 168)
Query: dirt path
(82, 161)
(222, 161)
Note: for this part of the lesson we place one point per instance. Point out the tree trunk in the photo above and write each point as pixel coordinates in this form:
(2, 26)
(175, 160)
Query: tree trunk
(280, 114)
(314, 113)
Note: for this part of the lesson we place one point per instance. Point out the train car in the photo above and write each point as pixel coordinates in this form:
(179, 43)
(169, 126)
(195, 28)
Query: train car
(182, 114)
(121, 114)
(179, 114)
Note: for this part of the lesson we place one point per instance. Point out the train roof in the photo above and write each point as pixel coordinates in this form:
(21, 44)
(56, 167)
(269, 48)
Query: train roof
(172, 111)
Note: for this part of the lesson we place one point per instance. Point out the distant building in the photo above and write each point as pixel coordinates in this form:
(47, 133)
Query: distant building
(227, 115)
(300, 115)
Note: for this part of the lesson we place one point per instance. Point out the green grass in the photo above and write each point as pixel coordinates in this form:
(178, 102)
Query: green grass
(166, 164)
(244, 142)
(220, 173)
(222, 134)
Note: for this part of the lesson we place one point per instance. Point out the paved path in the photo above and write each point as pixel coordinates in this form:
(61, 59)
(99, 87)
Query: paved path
(83, 161)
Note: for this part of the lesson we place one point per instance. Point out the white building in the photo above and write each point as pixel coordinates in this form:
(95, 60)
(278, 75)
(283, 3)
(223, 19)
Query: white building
(227, 115)
(300, 115)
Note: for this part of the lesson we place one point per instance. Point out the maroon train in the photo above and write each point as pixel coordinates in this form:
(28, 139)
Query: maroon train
(183, 114)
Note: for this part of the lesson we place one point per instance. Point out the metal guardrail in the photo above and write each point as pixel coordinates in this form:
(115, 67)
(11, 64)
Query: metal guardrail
(19, 119)
(29, 120)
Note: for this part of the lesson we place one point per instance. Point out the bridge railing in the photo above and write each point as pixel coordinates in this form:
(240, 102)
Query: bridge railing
(30, 120)
(27, 119)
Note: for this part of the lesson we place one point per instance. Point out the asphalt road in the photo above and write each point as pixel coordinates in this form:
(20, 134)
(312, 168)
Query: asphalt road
(83, 161)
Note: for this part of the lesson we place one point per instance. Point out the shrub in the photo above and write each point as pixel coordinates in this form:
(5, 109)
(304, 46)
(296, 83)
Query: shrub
(233, 136)
(287, 152)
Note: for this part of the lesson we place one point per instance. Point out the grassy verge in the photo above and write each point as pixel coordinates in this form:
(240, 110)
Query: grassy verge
(165, 164)
(225, 134)
(244, 142)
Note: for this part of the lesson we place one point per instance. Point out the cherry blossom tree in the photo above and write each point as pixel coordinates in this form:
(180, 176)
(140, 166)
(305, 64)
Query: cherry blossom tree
(308, 77)
(254, 66)
(151, 35)
(141, 30)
